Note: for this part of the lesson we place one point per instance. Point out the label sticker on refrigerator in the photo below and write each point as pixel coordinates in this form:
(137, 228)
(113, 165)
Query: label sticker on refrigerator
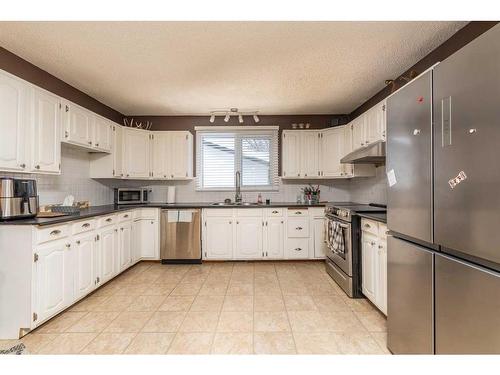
(456, 180)
(391, 178)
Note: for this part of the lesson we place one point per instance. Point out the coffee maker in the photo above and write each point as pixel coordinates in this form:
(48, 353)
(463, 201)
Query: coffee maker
(18, 198)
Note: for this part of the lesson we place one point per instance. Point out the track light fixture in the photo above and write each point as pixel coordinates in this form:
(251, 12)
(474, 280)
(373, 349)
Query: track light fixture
(227, 113)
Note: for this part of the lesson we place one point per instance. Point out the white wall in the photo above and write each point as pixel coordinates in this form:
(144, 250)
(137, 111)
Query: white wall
(74, 180)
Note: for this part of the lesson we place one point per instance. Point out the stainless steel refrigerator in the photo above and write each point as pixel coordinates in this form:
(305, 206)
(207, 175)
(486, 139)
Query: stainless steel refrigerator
(443, 209)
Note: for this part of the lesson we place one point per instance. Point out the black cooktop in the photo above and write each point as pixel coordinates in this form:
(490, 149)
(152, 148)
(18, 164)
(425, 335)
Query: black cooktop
(359, 207)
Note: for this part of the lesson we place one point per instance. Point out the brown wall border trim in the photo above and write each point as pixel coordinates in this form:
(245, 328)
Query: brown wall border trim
(41, 78)
(462, 37)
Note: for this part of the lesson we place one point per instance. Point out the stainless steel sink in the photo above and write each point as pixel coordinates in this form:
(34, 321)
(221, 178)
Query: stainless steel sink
(233, 204)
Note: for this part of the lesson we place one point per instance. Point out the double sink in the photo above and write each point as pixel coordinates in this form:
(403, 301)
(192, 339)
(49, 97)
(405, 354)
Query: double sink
(235, 204)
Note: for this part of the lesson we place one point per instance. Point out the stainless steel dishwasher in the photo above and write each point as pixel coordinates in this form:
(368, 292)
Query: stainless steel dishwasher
(180, 236)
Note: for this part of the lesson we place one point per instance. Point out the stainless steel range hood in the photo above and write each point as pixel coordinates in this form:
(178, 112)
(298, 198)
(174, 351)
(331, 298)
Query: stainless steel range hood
(374, 153)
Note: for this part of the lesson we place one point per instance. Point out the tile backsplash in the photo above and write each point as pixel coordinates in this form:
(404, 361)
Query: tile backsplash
(370, 189)
(75, 180)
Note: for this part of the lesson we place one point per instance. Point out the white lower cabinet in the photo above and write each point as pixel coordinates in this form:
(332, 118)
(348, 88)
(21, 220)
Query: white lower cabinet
(84, 248)
(263, 233)
(124, 241)
(145, 239)
(374, 262)
(218, 235)
(318, 237)
(274, 238)
(53, 286)
(249, 238)
(108, 251)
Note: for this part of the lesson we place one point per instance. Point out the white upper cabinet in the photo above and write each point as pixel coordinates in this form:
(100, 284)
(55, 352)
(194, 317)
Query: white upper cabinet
(375, 123)
(103, 134)
(46, 133)
(117, 151)
(358, 132)
(180, 155)
(160, 149)
(332, 150)
(309, 162)
(172, 155)
(291, 153)
(14, 121)
(300, 154)
(78, 125)
(136, 153)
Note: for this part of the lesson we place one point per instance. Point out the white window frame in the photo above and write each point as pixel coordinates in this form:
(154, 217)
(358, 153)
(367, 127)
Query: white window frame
(240, 131)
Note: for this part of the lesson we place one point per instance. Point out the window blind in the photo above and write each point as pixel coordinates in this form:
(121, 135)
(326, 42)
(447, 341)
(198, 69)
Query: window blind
(219, 154)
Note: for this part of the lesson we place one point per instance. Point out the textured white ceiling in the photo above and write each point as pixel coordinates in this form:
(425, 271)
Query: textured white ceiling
(180, 68)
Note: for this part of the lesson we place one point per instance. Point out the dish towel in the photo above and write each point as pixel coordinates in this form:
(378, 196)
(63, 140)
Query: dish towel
(185, 216)
(338, 238)
(173, 216)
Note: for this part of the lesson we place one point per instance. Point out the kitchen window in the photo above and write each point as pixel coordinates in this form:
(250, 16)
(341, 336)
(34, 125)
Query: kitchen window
(222, 151)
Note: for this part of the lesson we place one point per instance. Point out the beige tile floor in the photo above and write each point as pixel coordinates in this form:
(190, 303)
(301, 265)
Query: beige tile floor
(218, 308)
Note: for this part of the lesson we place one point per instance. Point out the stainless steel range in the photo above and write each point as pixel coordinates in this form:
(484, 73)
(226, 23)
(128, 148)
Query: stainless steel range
(343, 238)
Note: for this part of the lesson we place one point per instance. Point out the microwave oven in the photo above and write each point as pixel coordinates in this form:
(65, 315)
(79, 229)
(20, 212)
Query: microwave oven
(131, 195)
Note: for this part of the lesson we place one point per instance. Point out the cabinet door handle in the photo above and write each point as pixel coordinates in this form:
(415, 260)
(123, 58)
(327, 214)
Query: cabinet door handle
(298, 228)
(230, 222)
(55, 232)
(97, 145)
(372, 243)
(109, 220)
(367, 226)
(68, 245)
(298, 213)
(380, 246)
(86, 225)
(90, 143)
(298, 249)
(22, 165)
(275, 212)
(125, 216)
(37, 166)
(78, 242)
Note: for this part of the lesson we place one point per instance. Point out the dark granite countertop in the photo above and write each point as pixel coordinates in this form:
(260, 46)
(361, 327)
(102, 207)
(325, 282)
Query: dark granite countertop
(109, 209)
(378, 216)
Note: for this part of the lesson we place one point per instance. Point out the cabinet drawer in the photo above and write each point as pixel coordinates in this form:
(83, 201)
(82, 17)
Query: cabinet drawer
(297, 212)
(83, 226)
(298, 227)
(218, 212)
(369, 226)
(145, 213)
(297, 248)
(124, 216)
(51, 233)
(270, 212)
(317, 212)
(106, 220)
(249, 212)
